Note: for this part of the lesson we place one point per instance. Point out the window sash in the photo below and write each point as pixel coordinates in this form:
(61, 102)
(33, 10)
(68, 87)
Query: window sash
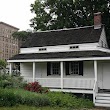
(74, 68)
(55, 68)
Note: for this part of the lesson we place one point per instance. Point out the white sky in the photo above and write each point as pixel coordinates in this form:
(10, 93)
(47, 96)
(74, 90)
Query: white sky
(16, 13)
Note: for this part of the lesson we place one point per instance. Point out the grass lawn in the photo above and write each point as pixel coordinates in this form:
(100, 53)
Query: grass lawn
(22, 107)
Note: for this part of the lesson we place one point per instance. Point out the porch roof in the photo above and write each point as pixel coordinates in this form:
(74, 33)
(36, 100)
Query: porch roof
(61, 55)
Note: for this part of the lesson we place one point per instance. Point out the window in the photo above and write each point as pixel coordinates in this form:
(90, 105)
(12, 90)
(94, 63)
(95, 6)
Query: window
(74, 68)
(74, 47)
(42, 49)
(53, 68)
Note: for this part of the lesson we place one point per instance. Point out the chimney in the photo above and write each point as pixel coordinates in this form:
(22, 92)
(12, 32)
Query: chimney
(97, 20)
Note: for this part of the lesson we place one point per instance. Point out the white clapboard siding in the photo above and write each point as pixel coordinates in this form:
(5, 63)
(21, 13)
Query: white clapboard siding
(60, 48)
(78, 83)
(83, 83)
(49, 82)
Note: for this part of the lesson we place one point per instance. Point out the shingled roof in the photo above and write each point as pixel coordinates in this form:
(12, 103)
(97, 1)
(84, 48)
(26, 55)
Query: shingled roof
(60, 55)
(63, 37)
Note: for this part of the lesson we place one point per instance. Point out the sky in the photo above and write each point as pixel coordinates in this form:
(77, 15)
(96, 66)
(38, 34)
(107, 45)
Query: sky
(16, 13)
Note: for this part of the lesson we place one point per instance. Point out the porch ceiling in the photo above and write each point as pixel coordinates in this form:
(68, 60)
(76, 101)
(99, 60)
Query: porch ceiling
(61, 55)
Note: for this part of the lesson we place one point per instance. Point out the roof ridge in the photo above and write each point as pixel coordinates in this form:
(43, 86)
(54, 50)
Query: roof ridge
(64, 29)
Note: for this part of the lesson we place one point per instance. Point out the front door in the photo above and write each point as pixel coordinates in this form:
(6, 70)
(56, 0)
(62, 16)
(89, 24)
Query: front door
(106, 76)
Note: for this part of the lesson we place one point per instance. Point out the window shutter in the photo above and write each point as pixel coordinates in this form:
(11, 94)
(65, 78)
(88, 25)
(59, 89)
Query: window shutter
(67, 68)
(81, 68)
(48, 68)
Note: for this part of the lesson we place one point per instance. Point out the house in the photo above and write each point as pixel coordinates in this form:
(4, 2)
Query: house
(73, 60)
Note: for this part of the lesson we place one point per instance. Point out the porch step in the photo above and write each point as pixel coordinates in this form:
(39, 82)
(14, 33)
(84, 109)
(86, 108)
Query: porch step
(103, 100)
(102, 105)
(103, 94)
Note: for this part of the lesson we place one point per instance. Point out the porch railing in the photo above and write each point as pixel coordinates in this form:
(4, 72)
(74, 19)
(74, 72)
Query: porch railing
(78, 83)
(83, 83)
(49, 82)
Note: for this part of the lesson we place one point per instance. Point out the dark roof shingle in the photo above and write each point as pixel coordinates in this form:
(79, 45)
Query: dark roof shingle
(61, 55)
(63, 37)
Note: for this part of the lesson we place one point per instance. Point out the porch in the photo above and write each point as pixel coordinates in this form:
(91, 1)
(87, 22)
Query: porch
(87, 77)
(65, 83)
(82, 77)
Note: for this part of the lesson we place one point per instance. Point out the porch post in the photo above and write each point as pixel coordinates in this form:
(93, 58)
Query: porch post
(10, 68)
(61, 71)
(95, 83)
(95, 69)
(34, 71)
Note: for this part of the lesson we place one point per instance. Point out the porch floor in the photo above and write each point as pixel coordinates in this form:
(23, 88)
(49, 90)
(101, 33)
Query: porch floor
(73, 90)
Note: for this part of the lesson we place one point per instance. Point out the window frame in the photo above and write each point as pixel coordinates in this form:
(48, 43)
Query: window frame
(70, 71)
(74, 68)
(55, 68)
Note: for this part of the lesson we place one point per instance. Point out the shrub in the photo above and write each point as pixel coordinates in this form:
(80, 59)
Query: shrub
(68, 100)
(7, 81)
(36, 87)
(8, 98)
(11, 97)
(60, 99)
(36, 100)
(33, 87)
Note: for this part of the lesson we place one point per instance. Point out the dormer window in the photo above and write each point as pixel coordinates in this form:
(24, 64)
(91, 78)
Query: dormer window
(74, 47)
(42, 49)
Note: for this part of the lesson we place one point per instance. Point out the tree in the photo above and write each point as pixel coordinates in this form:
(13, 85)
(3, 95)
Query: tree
(3, 65)
(21, 36)
(59, 14)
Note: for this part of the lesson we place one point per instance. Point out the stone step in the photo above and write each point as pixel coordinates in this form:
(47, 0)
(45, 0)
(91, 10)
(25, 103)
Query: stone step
(103, 101)
(103, 94)
(102, 105)
(102, 98)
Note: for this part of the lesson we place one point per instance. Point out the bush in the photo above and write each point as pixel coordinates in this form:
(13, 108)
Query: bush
(36, 87)
(68, 100)
(40, 100)
(7, 81)
(8, 98)
(11, 97)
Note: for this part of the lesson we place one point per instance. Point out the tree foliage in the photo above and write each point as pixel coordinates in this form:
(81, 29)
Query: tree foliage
(59, 14)
(2, 64)
(21, 36)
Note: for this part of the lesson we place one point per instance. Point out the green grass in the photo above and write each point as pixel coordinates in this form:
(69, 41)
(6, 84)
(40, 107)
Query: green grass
(22, 107)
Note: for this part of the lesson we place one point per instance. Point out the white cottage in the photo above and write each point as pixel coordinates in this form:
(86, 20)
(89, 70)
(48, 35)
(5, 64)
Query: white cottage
(73, 60)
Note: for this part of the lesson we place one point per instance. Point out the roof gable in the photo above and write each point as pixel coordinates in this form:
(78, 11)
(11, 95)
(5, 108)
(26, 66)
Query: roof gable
(63, 37)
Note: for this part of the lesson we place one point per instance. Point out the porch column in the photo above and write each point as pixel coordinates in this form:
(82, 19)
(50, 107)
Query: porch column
(10, 68)
(34, 70)
(61, 71)
(95, 89)
(95, 69)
